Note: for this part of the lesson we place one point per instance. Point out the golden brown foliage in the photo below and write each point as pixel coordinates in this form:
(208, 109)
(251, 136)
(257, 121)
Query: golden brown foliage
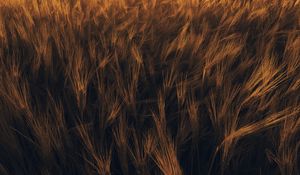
(149, 87)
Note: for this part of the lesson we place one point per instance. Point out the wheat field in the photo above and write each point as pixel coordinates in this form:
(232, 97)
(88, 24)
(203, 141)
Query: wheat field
(149, 87)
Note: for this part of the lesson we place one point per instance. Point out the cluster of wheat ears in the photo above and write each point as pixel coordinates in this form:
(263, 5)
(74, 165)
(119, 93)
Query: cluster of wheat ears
(149, 87)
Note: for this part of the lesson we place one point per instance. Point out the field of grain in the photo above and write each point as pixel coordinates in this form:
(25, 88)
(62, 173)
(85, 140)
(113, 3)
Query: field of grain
(149, 87)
